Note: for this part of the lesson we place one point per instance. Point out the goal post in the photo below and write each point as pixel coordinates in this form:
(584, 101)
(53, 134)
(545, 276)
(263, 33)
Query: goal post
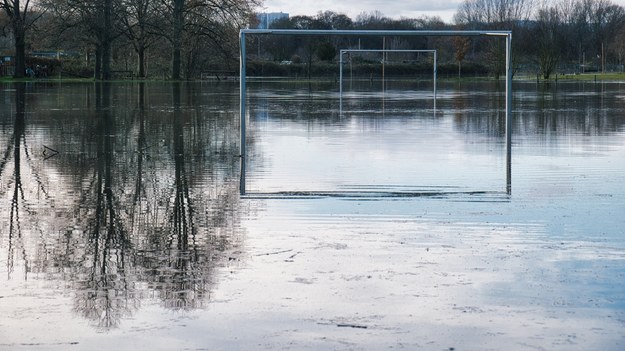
(384, 51)
(243, 33)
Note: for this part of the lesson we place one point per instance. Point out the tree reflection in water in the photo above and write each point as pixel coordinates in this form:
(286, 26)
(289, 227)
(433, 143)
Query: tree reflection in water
(179, 275)
(14, 149)
(25, 186)
(104, 293)
(152, 209)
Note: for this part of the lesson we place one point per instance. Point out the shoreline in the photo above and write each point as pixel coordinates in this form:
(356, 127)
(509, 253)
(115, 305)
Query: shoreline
(585, 77)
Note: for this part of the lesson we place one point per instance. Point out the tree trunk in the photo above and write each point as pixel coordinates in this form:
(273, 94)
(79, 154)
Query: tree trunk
(17, 17)
(20, 52)
(97, 71)
(178, 24)
(176, 62)
(106, 61)
(141, 60)
(106, 42)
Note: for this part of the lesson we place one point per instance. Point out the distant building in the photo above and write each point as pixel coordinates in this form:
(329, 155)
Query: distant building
(266, 19)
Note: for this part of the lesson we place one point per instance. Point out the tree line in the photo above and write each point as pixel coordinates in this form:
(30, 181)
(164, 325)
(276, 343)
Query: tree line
(181, 32)
(576, 35)
(185, 37)
(547, 33)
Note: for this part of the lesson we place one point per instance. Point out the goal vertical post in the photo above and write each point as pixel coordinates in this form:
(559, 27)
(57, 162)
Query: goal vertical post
(242, 106)
(509, 113)
(435, 70)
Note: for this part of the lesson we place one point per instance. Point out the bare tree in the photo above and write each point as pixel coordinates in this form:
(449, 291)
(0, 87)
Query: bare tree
(139, 18)
(591, 29)
(496, 13)
(462, 46)
(215, 14)
(548, 39)
(619, 47)
(95, 22)
(500, 15)
(21, 17)
(606, 19)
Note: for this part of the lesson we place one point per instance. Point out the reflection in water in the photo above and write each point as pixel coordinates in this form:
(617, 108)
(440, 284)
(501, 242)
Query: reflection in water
(13, 152)
(317, 153)
(479, 113)
(187, 284)
(582, 108)
(144, 203)
(102, 284)
(25, 187)
(307, 149)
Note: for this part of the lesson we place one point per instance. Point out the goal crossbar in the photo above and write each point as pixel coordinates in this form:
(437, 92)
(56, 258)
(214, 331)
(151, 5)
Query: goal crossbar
(437, 33)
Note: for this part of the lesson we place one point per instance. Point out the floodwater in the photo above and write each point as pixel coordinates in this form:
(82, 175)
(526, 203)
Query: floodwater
(370, 221)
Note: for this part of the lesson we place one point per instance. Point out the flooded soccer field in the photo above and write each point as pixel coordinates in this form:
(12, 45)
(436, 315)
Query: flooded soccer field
(373, 220)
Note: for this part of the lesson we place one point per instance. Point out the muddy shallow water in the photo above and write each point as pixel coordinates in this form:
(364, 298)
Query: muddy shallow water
(371, 221)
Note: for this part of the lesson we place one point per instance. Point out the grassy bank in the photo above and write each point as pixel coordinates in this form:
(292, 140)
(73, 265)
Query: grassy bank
(576, 77)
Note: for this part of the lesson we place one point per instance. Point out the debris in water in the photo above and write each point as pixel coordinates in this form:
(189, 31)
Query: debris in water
(351, 326)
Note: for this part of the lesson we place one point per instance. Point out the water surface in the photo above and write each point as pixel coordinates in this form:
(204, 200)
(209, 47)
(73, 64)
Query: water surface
(123, 227)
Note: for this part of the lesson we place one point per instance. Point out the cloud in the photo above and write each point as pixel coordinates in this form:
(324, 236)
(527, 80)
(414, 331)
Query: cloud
(352, 8)
(410, 6)
(445, 9)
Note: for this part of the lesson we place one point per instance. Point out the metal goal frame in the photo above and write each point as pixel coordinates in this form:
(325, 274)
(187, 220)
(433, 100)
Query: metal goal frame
(243, 33)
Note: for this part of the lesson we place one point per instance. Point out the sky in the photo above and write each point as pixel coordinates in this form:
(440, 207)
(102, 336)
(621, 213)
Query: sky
(445, 9)
(352, 8)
